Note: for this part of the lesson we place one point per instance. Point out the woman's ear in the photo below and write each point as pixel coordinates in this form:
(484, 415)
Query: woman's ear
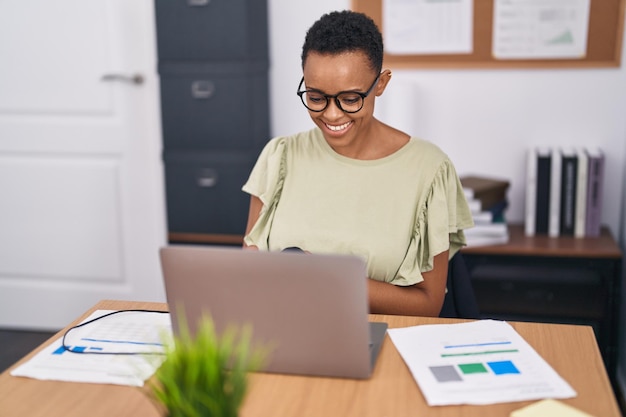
(385, 77)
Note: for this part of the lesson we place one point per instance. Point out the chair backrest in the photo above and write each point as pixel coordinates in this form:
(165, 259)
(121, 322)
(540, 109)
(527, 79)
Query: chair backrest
(460, 301)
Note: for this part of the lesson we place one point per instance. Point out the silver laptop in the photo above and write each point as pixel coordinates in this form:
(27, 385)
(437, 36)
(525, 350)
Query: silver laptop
(312, 309)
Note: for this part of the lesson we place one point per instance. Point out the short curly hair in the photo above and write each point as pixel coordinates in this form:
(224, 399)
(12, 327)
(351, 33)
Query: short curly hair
(345, 31)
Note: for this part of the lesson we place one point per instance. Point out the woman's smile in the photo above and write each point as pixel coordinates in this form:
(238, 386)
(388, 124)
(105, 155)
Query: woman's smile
(338, 129)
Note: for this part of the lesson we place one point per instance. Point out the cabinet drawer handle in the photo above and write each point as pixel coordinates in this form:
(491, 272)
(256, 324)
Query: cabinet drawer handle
(129, 78)
(198, 3)
(202, 89)
(207, 178)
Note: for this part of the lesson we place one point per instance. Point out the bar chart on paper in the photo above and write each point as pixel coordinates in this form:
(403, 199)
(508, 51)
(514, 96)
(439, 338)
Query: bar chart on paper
(481, 362)
(477, 360)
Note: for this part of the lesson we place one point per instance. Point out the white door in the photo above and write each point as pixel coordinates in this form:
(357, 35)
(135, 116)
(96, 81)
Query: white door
(82, 210)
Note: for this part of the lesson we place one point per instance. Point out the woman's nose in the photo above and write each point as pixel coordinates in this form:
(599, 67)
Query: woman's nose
(333, 111)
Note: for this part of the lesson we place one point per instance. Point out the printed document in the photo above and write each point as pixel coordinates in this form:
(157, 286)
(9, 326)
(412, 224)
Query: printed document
(123, 349)
(428, 27)
(540, 29)
(479, 362)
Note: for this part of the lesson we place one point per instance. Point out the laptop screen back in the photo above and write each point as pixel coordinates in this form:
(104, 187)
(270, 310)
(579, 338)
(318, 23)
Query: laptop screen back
(311, 309)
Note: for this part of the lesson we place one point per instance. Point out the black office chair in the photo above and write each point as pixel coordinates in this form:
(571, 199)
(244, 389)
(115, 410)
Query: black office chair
(460, 301)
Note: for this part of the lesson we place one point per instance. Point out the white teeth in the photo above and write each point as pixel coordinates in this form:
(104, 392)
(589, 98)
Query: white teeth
(337, 128)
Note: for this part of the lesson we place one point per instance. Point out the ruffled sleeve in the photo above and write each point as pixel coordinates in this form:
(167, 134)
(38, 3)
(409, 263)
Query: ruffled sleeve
(266, 182)
(440, 221)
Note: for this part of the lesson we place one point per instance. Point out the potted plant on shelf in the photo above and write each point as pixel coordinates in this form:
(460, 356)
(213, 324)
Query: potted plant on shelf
(205, 374)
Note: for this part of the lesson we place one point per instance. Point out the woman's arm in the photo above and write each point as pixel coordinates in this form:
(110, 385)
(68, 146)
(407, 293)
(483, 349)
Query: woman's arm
(423, 299)
(253, 215)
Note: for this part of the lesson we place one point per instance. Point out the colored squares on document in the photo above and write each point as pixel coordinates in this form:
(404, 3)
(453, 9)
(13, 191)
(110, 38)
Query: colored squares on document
(446, 373)
(472, 368)
(450, 373)
(503, 367)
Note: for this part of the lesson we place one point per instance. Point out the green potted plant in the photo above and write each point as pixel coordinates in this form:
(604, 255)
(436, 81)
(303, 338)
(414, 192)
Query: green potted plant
(205, 374)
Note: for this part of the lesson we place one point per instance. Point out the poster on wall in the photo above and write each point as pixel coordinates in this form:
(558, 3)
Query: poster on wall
(413, 27)
(540, 29)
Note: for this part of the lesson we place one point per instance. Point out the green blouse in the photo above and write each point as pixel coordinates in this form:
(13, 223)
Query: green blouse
(396, 212)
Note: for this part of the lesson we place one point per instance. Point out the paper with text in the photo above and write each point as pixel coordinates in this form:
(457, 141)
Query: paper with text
(128, 332)
(428, 27)
(479, 362)
(540, 29)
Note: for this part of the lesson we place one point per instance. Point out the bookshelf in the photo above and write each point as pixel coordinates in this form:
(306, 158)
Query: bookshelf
(552, 279)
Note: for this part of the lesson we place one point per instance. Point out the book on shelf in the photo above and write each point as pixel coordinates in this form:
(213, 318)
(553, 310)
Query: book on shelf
(538, 174)
(474, 241)
(489, 191)
(544, 168)
(474, 205)
(498, 211)
(554, 216)
(595, 180)
(564, 191)
(487, 234)
(581, 192)
(567, 212)
(489, 195)
(531, 193)
(538, 181)
(488, 229)
(482, 217)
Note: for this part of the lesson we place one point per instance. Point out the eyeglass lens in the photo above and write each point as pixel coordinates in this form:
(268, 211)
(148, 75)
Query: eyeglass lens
(349, 102)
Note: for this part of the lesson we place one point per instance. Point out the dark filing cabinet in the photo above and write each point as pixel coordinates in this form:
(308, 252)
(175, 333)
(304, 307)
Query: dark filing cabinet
(560, 280)
(213, 68)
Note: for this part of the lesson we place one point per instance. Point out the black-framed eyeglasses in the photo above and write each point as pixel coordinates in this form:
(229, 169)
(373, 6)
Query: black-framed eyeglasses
(347, 101)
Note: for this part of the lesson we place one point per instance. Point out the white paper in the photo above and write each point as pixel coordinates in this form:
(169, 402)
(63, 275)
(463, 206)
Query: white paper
(428, 27)
(540, 29)
(124, 332)
(479, 362)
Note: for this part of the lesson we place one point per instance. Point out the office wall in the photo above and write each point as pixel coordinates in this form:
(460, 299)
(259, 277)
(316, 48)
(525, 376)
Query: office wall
(621, 371)
(485, 120)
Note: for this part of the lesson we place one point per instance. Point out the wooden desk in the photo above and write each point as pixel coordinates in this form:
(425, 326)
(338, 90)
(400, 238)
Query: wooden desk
(391, 391)
(552, 279)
